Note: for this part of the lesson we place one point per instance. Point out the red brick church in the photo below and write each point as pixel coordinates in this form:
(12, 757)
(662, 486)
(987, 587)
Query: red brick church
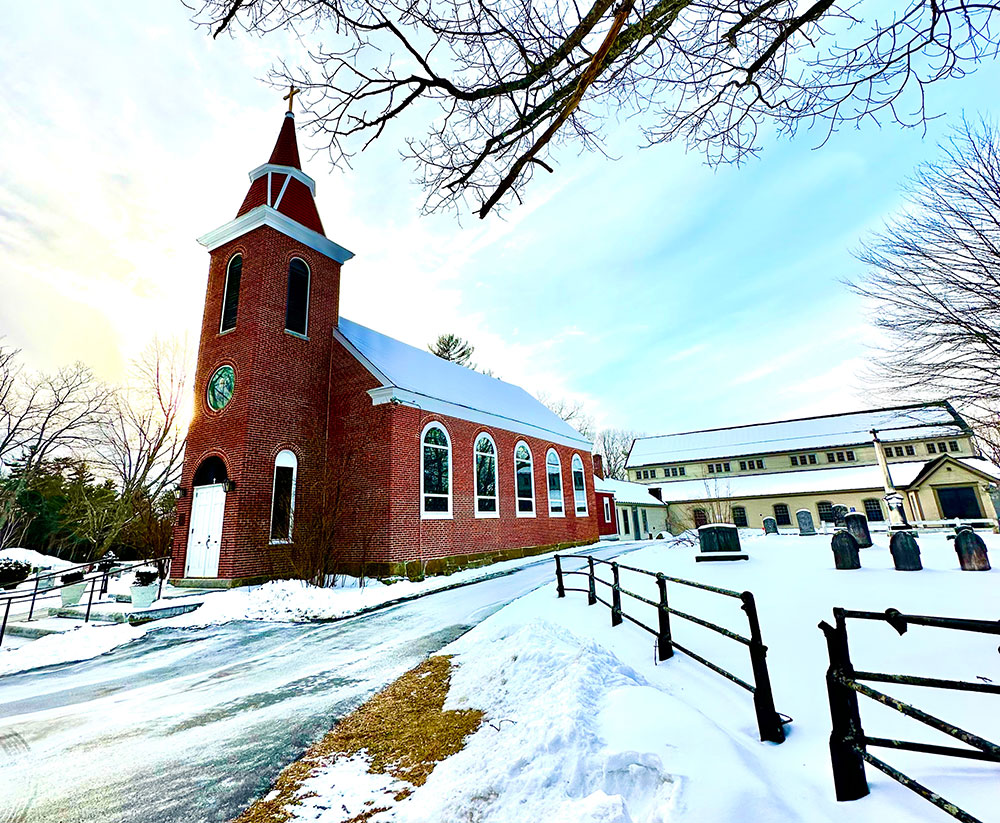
(311, 432)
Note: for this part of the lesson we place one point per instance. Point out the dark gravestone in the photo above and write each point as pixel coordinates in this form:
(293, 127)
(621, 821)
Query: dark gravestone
(805, 520)
(845, 550)
(717, 537)
(839, 513)
(770, 525)
(905, 551)
(971, 550)
(857, 524)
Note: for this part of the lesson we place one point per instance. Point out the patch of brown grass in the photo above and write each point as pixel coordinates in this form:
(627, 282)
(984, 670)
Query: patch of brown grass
(403, 729)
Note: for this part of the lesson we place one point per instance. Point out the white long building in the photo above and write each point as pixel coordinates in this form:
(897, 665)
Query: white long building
(745, 473)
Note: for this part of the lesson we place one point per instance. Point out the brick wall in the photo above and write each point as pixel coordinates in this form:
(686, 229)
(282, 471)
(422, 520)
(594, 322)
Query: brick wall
(606, 525)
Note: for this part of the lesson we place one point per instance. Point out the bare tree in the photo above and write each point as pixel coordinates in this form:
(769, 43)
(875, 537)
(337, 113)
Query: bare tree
(934, 279)
(614, 445)
(500, 83)
(571, 411)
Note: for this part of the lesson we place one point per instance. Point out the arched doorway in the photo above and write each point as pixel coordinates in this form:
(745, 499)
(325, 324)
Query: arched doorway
(208, 508)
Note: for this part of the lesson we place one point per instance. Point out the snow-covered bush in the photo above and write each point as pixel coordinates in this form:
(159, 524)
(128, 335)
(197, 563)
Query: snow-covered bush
(13, 572)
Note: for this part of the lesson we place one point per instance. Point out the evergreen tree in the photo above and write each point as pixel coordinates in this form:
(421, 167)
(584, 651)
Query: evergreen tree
(453, 348)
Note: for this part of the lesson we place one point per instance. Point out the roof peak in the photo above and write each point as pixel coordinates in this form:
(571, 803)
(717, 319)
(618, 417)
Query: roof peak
(286, 147)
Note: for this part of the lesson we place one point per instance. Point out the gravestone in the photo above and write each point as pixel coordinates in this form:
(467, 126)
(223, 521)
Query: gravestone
(857, 524)
(805, 520)
(971, 550)
(839, 513)
(905, 551)
(845, 550)
(770, 525)
(719, 537)
(719, 541)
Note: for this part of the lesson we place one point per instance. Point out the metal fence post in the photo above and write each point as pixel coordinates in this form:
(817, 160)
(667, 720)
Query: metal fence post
(591, 589)
(560, 591)
(846, 735)
(90, 600)
(616, 597)
(768, 720)
(665, 648)
(3, 626)
(34, 594)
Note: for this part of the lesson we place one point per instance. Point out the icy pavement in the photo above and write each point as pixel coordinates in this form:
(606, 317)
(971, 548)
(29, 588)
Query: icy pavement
(190, 724)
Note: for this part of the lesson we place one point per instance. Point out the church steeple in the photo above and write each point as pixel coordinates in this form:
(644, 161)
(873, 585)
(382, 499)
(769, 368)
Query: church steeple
(282, 196)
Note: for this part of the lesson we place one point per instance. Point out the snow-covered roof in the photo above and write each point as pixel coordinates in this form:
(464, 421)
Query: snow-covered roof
(895, 424)
(416, 377)
(635, 494)
(810, 481)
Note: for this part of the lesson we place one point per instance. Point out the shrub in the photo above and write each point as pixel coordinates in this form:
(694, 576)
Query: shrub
(145, 578)
(13, 572)
(71, 577)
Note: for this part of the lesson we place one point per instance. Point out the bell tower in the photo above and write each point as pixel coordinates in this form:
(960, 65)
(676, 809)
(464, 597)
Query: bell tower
(257, 436)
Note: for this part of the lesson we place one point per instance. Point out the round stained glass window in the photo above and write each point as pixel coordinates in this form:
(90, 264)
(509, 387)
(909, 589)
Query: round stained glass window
(220, 388)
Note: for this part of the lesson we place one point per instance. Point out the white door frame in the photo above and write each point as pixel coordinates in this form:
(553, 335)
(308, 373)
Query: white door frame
(202, 558)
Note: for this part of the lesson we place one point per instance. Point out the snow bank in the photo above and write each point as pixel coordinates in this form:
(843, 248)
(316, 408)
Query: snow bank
(78, 644)
(36, 559)
(582, 725)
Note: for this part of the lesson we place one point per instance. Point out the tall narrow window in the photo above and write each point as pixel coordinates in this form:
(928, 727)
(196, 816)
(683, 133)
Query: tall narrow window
(553, 473)
(645, 523)
(825, 509)
(781, 515)
(873, 510)
(740, 516)
(607, 510)
(524, 480)
(579, 486)
(283, 497)
(486, 477)
(700, 518)
(625, 522)
(297, 305)
(231, 293)
(435, 471)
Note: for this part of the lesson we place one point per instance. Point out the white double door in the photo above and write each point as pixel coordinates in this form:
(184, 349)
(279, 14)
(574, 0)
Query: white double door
(205, 535)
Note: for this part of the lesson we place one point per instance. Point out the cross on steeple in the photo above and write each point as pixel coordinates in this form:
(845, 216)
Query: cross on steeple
(290, 97)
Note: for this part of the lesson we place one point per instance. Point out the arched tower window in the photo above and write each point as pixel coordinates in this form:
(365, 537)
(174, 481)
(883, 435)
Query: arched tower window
(524, 480)
(486, 477)
(579, 486)
(231, 293)
(283, 496)
(553, 473)
(435, 472)
(297, 305)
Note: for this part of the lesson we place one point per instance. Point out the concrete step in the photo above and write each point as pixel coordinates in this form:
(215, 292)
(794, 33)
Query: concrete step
(168, 594)
(39, 628)
(96, 615)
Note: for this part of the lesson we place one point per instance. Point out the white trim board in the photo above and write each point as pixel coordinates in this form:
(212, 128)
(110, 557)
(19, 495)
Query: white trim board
(291, 171)
(267, 216)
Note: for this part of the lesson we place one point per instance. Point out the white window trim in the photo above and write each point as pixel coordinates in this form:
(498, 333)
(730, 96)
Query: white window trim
(475, 478)
(585, 512)
(607, 510)
(225, 291)
(287, 459)
(548, 491)
(445, 515)
(309, 283)
(518, 499)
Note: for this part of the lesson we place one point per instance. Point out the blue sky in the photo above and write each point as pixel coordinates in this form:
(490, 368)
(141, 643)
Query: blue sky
(663, 295)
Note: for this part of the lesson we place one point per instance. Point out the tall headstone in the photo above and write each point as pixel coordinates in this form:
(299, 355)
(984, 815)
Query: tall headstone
(770, 525)
(845, 550)
(805, 520)
(971, 550)
(857, 524)
(905, 551)
(839, 513)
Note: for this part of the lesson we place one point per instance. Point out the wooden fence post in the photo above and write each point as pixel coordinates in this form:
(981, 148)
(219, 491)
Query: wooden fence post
(560, 590)
(768, 720)
(591, 590)
(616, 597)
(665, 648)
(846, 735)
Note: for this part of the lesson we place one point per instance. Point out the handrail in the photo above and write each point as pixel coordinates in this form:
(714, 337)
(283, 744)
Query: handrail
(769, 722)
(102, 573)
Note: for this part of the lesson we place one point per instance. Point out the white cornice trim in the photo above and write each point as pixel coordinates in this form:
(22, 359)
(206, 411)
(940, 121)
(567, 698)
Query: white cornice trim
(291, 171)
(432, 405)
(266, 216)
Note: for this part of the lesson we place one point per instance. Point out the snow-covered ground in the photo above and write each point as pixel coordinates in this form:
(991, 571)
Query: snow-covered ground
(36, 559)
(583, 726)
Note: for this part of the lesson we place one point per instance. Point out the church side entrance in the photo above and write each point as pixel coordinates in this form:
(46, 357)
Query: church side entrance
(204, 538)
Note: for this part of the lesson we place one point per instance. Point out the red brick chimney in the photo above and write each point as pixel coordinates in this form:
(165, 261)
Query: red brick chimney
(599, 466)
